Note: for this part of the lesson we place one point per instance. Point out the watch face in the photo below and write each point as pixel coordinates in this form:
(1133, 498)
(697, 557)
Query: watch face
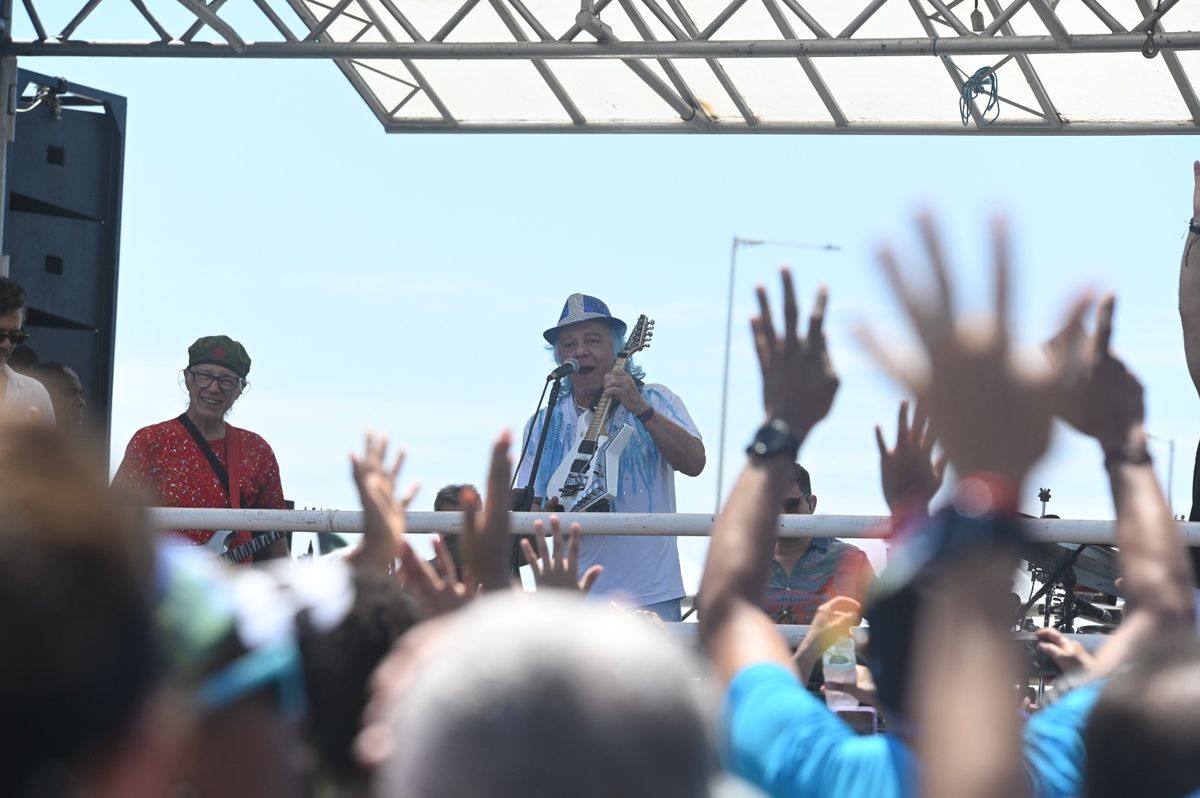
(772, 439)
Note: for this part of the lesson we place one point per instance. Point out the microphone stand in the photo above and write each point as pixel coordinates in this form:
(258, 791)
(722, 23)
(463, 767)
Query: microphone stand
(1056, 575)
(523, 499)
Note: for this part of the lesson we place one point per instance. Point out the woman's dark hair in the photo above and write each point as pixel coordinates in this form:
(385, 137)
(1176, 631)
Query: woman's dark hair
(338, 665)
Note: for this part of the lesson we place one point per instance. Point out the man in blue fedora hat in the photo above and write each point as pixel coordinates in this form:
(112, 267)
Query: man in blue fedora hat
(638, 571)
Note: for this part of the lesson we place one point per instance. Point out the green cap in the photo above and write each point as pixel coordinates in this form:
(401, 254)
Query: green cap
(220, 350)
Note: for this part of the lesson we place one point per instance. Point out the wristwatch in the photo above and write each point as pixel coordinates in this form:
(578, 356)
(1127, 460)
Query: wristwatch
(773, 439)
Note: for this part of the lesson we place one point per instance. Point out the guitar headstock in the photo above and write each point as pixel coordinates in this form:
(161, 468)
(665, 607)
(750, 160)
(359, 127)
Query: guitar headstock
(639, 338)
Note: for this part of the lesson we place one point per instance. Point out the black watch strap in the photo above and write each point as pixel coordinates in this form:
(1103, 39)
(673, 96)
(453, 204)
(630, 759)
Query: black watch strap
(774, 439)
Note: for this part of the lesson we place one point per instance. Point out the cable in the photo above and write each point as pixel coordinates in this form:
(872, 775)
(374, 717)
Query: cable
(985, 82)
(525, 446)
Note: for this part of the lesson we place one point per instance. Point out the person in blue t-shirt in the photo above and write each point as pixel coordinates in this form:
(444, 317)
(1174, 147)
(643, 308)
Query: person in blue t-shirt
(994, 422)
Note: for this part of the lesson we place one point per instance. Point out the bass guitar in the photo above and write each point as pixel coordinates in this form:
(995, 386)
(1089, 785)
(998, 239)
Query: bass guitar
(587, 481)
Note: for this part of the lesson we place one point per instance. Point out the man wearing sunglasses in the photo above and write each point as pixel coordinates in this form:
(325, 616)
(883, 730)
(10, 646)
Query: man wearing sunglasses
(807, 572)
(19, 394)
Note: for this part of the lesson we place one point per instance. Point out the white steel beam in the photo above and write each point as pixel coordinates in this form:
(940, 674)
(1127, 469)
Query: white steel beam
(689, 27)
(615, 49)
(951, 68)
(1178, 74)
(861, 19)
(810, 69)
(1104, 16)
(687, 111)
(1031, 77)
(851, 527)
(543, 69)
(1053, 24)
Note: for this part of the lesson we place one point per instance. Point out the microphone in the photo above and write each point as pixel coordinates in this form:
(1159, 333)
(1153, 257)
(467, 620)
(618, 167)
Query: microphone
(568, 367)
(1089, 610)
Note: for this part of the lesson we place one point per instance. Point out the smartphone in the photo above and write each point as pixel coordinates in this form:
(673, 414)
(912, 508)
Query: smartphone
(863, 720)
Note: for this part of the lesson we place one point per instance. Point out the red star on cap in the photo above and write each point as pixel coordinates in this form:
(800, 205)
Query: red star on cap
(219, 352)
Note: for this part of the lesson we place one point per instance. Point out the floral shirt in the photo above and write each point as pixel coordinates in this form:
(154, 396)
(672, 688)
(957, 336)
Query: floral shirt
(164, 460)
(827, 568)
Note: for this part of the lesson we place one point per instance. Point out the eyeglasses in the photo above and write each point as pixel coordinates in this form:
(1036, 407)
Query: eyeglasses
(203, 379)
(793, 504)
(18, 337)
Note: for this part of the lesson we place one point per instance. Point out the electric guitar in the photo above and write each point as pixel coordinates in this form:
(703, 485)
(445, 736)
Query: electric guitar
(588, 480)
(219, 545)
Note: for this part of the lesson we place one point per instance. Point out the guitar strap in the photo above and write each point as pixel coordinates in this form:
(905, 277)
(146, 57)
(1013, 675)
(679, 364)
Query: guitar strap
(233, 453)
(211, 456)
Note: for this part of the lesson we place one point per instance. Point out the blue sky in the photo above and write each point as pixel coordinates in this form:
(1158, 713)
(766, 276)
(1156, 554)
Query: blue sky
(401, 282)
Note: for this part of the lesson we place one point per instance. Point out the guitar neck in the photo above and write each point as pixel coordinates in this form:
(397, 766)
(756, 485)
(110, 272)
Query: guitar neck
(604, 406)
(236, 555)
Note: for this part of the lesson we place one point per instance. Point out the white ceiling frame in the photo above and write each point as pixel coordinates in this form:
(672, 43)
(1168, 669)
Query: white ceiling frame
(389, 50)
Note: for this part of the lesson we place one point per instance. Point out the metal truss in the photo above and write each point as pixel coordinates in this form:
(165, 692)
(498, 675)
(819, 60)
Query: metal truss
(713, 66)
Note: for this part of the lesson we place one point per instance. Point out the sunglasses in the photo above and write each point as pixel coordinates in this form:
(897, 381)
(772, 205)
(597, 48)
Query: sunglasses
(18, 337)
(794, 504)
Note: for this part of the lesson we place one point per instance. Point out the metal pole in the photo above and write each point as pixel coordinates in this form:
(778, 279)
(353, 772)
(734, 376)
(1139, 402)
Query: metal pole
(725, 372)
(630, 524)
(739, 48)
(1170, 467)
(738, 242)
(8, 118)
(1170, 473)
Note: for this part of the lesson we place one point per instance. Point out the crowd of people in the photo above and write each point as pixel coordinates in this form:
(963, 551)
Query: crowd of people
(137, 664)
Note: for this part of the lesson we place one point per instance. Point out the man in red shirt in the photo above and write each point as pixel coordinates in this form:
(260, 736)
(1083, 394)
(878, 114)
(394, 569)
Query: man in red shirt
(191, 461)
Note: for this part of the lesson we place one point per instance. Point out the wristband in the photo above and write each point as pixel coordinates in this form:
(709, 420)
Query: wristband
(1193, 228)
(985, 494)
(646, 415)
(1128, 455)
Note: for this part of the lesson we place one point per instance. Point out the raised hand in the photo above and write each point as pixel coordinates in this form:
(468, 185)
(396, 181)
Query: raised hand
(558, 571)
(1104, 400)
(485, 547)
(831, 621)
(620, 385)
(436, 593)
(909, 472)
(384, 522)
(799, 382)
(990, 414)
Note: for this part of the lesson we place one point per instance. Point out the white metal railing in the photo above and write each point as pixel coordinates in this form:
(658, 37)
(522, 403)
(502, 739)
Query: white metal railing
(675, 524)
(794, 633)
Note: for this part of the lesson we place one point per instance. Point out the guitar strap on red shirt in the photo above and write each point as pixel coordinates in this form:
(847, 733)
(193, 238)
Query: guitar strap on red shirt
(230, 479)
(233, 456)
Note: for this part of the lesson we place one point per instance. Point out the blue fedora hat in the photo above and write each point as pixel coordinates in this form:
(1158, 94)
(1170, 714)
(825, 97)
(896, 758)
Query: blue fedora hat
(579, 308)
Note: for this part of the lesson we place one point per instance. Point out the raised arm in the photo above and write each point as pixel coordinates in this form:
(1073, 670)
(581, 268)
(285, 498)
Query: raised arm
(485, 546)
(993, 418)
(1189, 286)
(1106, 403)
(384, 522)
(909, 472)
(798, 389)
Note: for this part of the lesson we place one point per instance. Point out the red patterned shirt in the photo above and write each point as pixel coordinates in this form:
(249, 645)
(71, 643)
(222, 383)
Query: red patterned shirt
(164, 460)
